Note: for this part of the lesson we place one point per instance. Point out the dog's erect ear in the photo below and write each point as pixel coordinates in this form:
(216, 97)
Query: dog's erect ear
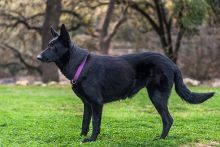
(64, 36)
(53, 32)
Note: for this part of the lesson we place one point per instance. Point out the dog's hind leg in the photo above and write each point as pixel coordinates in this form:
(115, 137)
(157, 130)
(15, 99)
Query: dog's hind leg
(159, 98)
(86, 118)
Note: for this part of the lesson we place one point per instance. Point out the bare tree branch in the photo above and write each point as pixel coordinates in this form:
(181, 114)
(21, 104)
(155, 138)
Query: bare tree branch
(71, 13)
(107, 19)
(17, 18)
(161, 19)
(118, 24)
(181, 31)
(20, 57)
(136, 7)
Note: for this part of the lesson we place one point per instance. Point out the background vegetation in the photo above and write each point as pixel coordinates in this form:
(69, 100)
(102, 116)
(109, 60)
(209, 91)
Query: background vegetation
(187, 31)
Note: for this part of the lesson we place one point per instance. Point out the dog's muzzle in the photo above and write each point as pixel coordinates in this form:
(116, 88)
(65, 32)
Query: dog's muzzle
(39, 57)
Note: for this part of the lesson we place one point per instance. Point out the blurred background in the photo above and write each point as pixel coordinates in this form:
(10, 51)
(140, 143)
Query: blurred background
(187, 31)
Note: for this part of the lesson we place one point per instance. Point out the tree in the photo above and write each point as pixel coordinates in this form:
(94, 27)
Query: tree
(164, 16)
(52, 18)
(105, 36)
(28, 21)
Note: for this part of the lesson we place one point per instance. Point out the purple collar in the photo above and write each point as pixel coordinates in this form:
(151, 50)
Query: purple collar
(79, 70)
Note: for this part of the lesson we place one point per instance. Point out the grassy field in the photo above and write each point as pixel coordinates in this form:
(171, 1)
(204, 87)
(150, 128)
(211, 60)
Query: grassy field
(51, 116)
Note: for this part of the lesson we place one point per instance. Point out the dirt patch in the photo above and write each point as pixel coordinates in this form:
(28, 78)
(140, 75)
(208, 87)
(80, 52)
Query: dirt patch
(210, 144)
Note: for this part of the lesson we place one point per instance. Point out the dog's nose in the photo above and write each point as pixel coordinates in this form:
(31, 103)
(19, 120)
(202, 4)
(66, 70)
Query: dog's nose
(39, 57)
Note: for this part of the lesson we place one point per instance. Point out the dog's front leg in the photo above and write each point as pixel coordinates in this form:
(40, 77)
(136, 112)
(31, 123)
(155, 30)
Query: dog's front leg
(96, 122)
(86, 118)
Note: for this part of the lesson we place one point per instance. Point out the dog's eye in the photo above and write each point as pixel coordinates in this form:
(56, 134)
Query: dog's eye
(51, 44)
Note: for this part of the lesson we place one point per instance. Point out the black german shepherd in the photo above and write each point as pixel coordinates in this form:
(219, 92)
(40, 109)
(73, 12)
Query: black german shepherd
(103, 79)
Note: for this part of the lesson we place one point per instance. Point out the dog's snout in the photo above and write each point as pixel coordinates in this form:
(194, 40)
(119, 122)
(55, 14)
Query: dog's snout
(39, 57)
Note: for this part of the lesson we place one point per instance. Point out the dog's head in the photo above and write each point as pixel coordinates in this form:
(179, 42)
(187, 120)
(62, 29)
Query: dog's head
(57, 47)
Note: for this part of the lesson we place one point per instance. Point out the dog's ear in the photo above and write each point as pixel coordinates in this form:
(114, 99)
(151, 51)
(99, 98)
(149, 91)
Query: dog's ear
(53, 32)
(64, 36)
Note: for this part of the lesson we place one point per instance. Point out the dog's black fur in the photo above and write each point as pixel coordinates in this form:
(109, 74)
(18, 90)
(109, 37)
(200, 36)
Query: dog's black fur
(105, 79)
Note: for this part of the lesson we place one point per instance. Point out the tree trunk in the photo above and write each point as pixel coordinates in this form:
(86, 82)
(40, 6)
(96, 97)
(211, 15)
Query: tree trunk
(171, 54)
(104, 41)
(162, 25)
(104, 46)
(52, 17)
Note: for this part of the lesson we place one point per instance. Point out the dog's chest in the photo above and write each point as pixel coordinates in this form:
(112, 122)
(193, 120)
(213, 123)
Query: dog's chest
(79, 91)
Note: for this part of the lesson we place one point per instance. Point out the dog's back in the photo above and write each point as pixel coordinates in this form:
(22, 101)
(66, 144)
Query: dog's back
(150, 63)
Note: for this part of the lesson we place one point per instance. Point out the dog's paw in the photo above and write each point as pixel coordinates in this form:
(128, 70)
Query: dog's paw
(87, 140)
(83, 134)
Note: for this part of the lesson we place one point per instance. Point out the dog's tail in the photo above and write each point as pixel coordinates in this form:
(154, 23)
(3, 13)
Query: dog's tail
(186, 94)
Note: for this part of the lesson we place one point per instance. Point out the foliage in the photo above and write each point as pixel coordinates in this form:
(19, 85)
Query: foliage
(166, 16)
(215, 7)
(51, 116)
(193, 13)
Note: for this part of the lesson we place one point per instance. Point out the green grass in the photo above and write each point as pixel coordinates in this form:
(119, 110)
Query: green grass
(51, 116)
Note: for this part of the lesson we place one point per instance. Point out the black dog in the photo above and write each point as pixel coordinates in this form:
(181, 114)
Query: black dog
(101, 79)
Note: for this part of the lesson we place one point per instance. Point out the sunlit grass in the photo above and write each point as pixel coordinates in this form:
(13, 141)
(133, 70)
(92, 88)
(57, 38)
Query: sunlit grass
(51, 116)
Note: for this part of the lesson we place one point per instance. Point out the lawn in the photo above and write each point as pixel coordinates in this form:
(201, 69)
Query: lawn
(52, 115)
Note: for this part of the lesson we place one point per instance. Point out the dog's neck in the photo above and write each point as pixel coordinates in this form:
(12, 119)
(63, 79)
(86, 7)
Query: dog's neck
(70, 61)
